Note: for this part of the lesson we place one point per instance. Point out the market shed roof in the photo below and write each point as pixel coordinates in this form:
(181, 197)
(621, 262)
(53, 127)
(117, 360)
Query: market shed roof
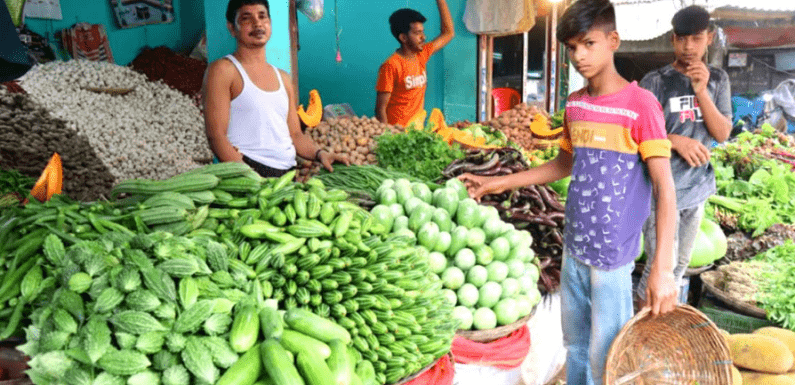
(648, 19)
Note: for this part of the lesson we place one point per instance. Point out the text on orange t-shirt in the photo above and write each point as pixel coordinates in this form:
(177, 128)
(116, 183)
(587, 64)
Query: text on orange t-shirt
(406, 80)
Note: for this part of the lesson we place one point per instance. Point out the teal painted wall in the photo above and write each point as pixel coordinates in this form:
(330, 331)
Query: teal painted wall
(365, 42)
(220, 42)
(180, 35)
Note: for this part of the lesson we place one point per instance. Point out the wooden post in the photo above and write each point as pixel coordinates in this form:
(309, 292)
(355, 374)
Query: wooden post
(490, 78)
(294, 47)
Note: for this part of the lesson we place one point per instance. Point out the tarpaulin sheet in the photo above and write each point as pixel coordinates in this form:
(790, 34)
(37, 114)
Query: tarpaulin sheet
(760, 37)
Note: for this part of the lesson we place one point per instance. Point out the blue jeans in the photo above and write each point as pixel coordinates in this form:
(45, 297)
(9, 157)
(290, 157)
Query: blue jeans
(595, 305)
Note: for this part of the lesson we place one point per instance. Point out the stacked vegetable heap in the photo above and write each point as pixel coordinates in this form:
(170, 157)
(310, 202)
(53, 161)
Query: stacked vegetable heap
(536, 208)
(488, 261)
(177, 284)
(755, 181)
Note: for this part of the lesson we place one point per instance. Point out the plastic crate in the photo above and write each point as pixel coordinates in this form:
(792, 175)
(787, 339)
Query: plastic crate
(730, 321)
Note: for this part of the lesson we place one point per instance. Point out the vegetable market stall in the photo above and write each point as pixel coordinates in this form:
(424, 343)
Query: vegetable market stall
(178, 279)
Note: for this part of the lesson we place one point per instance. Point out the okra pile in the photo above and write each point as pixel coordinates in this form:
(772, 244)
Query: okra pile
(169, 282)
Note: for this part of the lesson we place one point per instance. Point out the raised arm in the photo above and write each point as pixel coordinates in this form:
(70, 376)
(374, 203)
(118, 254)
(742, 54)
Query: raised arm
(447, 30)
(217, 96)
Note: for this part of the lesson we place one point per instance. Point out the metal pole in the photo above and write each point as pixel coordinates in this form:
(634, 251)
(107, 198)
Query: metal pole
(482, 83)
(552, 59)
(525, 43)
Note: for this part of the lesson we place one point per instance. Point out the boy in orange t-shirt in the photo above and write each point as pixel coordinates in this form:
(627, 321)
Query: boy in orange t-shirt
(402, 78)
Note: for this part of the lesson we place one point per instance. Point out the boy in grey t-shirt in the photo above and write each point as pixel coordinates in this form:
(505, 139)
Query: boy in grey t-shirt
(696, 103)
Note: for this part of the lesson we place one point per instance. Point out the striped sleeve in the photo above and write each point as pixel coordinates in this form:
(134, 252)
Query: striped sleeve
(649, 129)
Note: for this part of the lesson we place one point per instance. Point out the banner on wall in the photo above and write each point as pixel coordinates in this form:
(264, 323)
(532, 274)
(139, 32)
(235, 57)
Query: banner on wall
(43, 9)
(135, 13)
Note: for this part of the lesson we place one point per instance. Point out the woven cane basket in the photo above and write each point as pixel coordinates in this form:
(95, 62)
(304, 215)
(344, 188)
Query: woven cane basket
(710, 279)
(488, 335)
(682, 347)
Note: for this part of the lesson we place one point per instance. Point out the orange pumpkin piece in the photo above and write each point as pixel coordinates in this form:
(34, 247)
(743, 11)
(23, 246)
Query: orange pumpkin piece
(51, 180)
(540, 127)
(311, 117)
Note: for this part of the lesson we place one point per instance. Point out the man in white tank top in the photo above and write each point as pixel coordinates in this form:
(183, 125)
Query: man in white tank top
(249, 108)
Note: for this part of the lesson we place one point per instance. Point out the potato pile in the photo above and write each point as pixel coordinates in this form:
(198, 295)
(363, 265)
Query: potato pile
(353, 137)
(515, 123)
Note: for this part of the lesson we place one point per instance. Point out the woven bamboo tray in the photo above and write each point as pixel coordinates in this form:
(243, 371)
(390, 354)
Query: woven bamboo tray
(709, 278)
(681, 347)
(407, 379)
(110, 91)
(691, 271)
(489, 335)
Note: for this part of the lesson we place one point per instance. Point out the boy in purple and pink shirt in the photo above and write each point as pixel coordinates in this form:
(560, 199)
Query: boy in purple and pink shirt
(617, 152)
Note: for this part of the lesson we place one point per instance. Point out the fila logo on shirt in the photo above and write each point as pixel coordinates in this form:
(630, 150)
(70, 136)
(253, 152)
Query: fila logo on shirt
(687, 107)
(416, 81)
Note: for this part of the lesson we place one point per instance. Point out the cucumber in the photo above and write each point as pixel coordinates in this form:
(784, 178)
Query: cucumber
(272, 324)
(340, 363)
(245, 329)
(297, 342)
(245, 371)
(278, 365)
(314, 370)
(315, 326)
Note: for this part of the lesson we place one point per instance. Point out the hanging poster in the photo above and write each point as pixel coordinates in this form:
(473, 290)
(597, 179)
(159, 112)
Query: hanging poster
(134, 13)
(43, 9)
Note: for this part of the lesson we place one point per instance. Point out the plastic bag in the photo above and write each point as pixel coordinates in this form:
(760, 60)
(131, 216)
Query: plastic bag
(784, 96)
(547, 354)
(479, 375)
(313, 9)
(499, 17)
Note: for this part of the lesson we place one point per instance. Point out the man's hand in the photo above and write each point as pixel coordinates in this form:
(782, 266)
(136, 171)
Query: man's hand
(698, 73)
(661, 292)
(328, 158)
(478, 186)
(692, 151)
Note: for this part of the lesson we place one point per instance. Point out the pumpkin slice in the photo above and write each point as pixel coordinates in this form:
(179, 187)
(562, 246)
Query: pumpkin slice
(540, 127)
(39, 190)
(417, 120)
(312, 115)
(51, 180)
(436, 120)
(55, 176)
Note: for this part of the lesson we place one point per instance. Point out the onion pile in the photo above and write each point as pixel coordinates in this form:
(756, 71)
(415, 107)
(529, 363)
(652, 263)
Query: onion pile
(153, 132)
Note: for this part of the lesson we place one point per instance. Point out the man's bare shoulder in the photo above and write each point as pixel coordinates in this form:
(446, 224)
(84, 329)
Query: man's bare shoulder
(286, 78)
(222, 69)
(284, 74)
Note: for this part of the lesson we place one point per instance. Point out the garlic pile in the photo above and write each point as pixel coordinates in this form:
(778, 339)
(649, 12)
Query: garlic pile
(152, 132)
